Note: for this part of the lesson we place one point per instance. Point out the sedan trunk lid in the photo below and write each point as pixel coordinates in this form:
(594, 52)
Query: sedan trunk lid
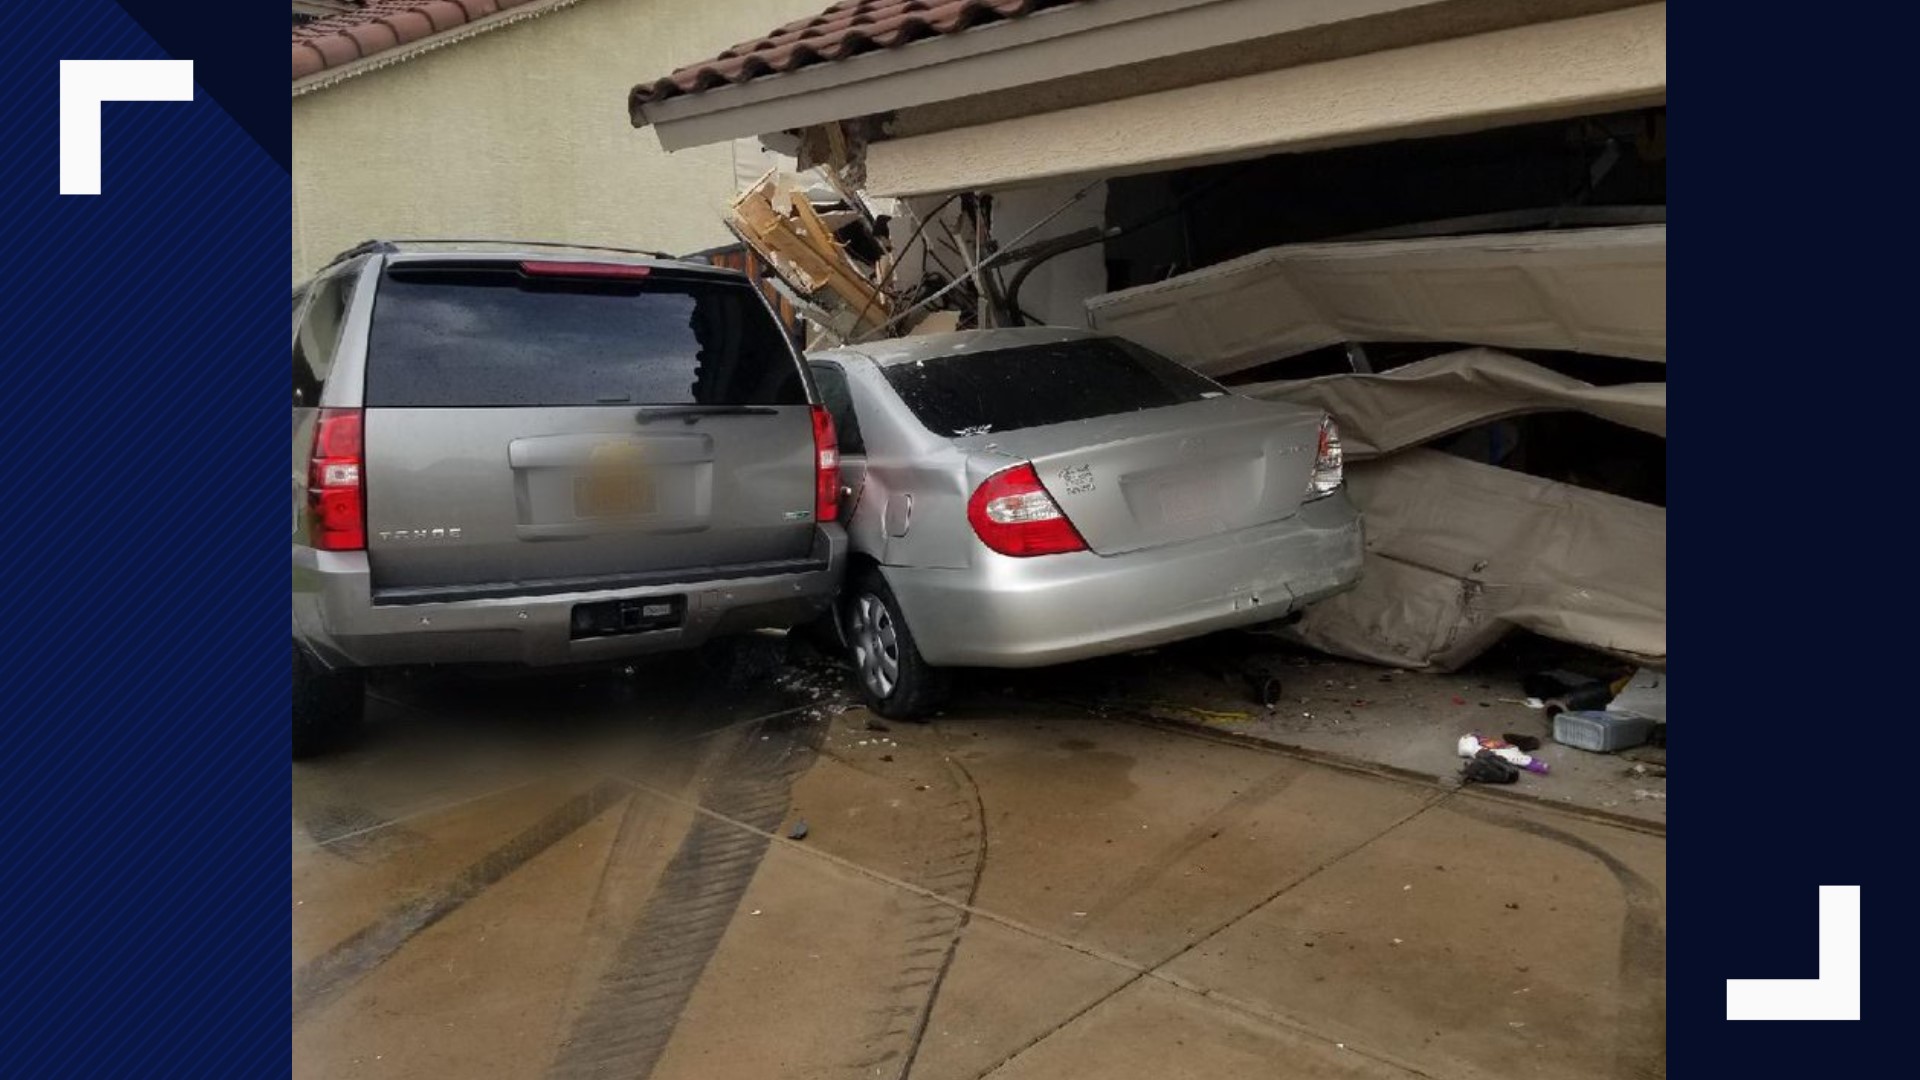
(1162, 476)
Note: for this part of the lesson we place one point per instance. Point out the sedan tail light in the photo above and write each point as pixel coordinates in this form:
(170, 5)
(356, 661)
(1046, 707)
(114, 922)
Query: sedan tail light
(826, 475)
(336, 501)
(1329, 467)
(1013, 514)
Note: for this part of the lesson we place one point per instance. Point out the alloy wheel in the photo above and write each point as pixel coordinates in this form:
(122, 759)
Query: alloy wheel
(876, 644)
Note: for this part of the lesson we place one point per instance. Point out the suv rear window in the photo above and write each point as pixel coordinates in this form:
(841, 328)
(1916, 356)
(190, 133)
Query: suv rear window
(1035, 385)
(482, 336)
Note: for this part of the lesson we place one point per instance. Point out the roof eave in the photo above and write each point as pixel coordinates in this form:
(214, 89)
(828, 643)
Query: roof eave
(1050, 44)
(326, 77)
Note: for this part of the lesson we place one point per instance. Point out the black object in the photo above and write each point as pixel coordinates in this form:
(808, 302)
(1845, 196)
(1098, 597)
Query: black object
(1266, 688)
(1594, 695)
(1486, 767)
(798, 832)
(1526, 743)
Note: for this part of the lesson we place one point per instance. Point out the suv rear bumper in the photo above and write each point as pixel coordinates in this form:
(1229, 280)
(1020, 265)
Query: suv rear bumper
(335, 614)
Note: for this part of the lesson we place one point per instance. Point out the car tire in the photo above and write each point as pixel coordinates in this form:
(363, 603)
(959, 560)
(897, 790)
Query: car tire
(328, 705)
(895, 681)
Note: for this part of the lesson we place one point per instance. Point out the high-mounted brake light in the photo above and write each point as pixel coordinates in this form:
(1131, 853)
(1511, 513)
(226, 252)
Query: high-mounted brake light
(826, 475)
(1329, 467)
(1013, 514)
(584, 269)
(336, 502)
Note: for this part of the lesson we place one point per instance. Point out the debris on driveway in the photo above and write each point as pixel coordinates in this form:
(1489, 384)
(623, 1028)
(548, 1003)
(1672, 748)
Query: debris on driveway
(1486, 767)
(1599, 715)
(1600, 730)
(1472, 744)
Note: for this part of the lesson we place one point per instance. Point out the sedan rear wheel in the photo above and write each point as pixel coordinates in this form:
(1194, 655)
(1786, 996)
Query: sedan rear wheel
(876, 645)
(895, 681)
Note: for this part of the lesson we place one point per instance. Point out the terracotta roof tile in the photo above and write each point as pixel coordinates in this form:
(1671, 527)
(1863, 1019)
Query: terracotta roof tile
(445, 14)
(410, 25)
(375, 26)
(846, 29)
(372, 37)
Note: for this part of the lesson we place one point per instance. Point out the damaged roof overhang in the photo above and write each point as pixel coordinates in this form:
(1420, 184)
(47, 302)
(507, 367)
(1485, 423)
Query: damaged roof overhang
(1612, 61)
(1046, 45)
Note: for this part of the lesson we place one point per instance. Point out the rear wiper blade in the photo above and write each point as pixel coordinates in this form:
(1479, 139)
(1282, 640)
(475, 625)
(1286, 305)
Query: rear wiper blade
(692, 413)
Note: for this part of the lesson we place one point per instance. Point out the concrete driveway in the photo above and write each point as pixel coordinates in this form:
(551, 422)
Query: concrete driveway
(596, 877)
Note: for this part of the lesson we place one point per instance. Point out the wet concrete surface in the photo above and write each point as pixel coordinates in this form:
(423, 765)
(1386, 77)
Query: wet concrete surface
(592, 875)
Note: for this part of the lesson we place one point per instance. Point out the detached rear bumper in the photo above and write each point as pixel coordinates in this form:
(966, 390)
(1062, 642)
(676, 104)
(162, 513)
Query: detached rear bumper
(1007, 612)
(334, 612)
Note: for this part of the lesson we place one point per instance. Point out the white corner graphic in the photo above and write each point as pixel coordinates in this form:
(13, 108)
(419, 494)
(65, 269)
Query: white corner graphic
(84, 84)
(1835, 995)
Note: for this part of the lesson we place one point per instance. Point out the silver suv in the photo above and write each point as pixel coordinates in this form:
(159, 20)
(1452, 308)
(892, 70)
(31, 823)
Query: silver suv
(523, 454)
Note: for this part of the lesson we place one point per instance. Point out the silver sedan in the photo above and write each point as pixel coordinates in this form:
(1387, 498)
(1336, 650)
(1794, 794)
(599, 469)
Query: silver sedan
(1016, 498)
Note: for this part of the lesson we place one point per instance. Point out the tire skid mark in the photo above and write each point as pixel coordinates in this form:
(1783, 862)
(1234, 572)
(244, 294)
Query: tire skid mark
(928, 932)
(1643, 947)
(324, 978)
(624, 1026)
(958, 917)
(1231, 816)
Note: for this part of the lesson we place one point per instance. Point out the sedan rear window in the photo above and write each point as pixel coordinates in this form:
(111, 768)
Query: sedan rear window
(489, 335)
(1035, 385)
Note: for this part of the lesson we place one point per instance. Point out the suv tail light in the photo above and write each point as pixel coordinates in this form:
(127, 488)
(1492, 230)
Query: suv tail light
(1329, 467)
(826, 476)
(1013, 514)
(336, 505)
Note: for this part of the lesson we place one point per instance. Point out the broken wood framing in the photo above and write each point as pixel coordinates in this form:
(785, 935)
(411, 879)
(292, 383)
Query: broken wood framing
(776, 220)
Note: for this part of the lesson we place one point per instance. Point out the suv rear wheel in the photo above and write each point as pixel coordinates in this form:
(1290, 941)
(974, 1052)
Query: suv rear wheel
(328, 705)
(895, 681)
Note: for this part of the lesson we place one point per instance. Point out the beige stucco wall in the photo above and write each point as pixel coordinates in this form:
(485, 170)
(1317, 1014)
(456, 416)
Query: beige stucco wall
(1569, 67)
(521, 133)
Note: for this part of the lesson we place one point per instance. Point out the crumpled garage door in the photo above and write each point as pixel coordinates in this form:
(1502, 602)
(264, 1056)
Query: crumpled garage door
(1459, 552)
(1601, 291)
(1441, 395)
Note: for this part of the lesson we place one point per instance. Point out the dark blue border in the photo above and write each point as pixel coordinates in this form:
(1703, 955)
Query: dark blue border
(143, 771)
(1790, 575)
